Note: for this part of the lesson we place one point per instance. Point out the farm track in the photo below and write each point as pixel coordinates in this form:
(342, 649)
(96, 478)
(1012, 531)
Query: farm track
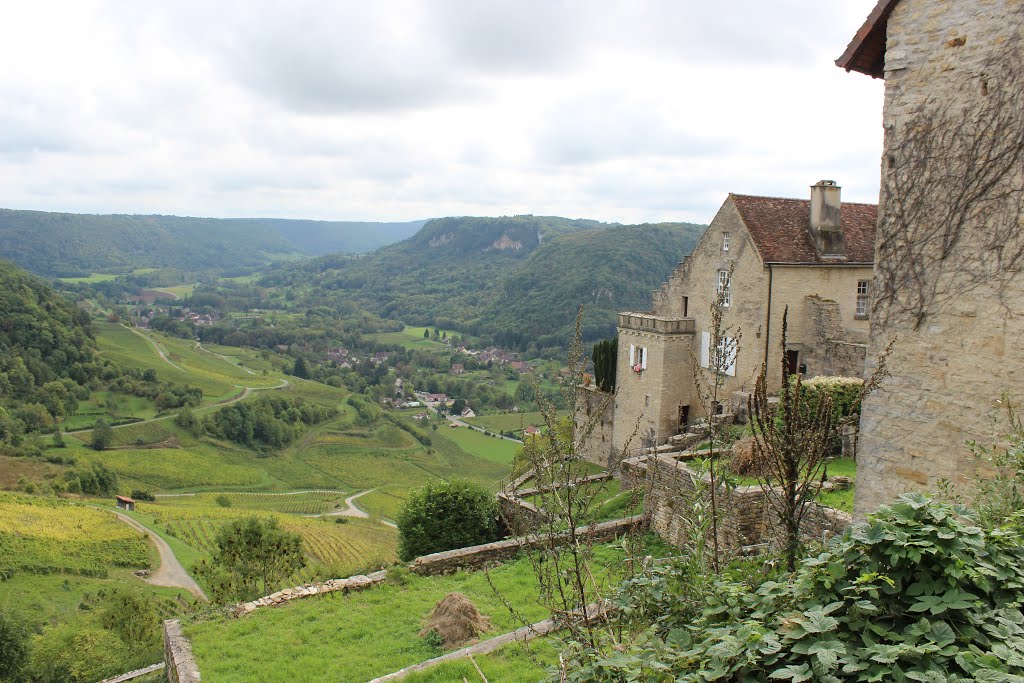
(171, 573)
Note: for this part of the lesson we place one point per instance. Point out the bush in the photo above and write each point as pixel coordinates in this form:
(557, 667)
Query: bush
(446, 515)
(917, 593)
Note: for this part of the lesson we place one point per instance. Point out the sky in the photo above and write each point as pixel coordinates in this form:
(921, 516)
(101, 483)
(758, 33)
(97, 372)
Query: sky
(618, 110)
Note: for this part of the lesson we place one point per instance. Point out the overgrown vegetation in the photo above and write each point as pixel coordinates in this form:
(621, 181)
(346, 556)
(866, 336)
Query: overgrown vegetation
(267, 421)
(445, 515)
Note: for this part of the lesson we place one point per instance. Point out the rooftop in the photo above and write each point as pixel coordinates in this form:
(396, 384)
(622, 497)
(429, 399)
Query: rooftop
(779, 229)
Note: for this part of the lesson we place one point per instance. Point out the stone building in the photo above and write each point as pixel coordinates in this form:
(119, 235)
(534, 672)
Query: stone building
(814, 256)
(950, 236)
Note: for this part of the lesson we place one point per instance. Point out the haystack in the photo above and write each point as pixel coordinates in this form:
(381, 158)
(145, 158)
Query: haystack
(746, 460)
(456, 620)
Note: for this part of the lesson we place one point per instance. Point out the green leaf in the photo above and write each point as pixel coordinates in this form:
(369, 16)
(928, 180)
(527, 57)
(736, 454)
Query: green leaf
(794, 673)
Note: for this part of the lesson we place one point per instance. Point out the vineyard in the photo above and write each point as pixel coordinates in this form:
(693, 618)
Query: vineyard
(304, 503)
(332, 547)
(49, 536)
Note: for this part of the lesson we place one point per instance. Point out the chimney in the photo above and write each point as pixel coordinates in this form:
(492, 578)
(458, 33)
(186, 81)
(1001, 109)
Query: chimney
(825, 225)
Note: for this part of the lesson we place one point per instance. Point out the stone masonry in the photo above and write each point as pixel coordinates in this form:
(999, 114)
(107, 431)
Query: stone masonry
(953, 362)
(771, 247)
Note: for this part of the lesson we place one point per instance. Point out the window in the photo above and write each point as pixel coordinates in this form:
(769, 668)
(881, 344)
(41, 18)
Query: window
(637, 358)
(725, 241)
(863, 289)
(724, 357)
(724, 288)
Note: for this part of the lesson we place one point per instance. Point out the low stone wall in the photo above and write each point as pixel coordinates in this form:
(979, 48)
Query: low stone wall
(181, 665)
(481, 555)
(132, 675)
(352, 583)
(518, 515)
(745, 516)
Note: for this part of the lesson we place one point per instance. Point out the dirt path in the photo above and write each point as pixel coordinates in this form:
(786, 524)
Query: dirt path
(350, 507)
(170, 573)
(155, 346)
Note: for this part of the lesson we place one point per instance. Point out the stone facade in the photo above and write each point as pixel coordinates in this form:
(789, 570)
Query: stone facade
(770, 245)
(955, 358)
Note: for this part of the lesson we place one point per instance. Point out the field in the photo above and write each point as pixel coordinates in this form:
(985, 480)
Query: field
(178, 291)
(356, 637)
(297, 503)
(511, 422)
(483, 446)
(334, 548)
(412, 338)
(51, 536)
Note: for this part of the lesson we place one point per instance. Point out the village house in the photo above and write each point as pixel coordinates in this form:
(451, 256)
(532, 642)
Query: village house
(457, 369)
(125, 503)
(763, 255)
(950, 237)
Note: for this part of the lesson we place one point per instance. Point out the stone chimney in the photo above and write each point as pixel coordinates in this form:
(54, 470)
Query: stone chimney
(826, 225)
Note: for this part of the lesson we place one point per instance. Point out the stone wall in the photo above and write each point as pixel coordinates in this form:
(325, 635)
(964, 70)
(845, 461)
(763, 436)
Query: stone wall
(951, 365)
(594, 426)
(181, 665)
(352, 583)
(483, 555)
(746, 519)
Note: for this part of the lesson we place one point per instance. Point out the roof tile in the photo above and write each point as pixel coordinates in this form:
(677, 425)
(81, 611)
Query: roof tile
(779, 229)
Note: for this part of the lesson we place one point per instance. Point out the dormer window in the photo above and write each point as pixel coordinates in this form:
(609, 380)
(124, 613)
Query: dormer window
(725, 241)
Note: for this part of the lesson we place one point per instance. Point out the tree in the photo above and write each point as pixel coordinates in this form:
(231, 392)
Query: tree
(792, 441)
(710, 382)
(444, 515)
(252, 555)
(426, 333)
(13, 648)
(605, 356)
(300, 370)
(102, 436)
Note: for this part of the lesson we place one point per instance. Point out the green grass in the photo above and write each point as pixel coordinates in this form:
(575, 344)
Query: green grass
(350, 638)
(36, 600)
(511, 664)
(479, 444)
(511, 422)
(93, 277)
(359, 636)
(412, 338)
(179, 291)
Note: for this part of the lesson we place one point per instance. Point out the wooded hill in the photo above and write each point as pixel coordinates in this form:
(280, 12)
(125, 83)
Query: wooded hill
(514, 281)
(74, 245)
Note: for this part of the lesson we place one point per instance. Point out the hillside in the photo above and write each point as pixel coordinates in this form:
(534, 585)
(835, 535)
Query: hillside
(512, 280)
(69, 245)
(42, 338)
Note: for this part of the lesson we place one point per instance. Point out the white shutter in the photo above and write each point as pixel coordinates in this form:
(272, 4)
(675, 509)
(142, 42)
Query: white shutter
(705, 349)
(643, 358)
(632, 355)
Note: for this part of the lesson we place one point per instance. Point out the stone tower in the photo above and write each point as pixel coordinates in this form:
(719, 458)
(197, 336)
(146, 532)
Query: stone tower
(950, 238)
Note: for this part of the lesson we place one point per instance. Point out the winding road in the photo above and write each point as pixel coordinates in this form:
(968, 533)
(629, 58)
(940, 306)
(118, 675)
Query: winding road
(170, 573)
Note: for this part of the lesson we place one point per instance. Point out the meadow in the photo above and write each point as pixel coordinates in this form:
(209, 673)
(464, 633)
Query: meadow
(359, 636)
(511, 422)
(412, 338)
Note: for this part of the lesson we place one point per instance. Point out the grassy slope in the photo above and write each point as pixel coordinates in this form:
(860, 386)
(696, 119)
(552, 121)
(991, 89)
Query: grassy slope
(354, 637)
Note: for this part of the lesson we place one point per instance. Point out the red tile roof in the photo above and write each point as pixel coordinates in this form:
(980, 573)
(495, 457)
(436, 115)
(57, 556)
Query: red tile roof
(125, 499)
(779, 229)
(866, 52)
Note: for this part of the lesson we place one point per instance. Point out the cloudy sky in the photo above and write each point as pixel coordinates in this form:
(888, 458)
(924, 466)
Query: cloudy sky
(619, 110)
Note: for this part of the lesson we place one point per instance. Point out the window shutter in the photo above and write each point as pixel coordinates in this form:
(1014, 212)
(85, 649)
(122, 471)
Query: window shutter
(643, 358)
(705, 349)
(632, 355)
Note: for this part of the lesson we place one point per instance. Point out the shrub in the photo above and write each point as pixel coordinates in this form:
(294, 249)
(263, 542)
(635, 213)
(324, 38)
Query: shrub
(916, 593)
(446, 515)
